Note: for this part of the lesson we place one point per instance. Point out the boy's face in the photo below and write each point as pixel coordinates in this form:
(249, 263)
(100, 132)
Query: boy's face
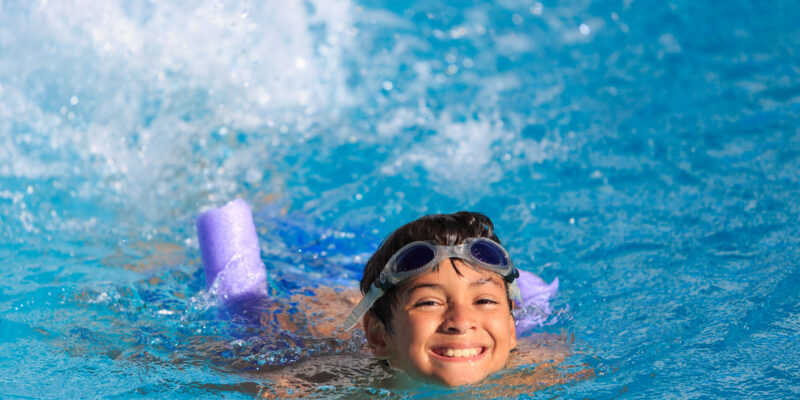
(454, 328)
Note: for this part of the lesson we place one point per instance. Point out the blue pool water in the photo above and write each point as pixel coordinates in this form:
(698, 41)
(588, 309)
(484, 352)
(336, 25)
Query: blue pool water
(645, 153)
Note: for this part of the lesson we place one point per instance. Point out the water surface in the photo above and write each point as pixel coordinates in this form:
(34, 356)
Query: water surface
(646, 154)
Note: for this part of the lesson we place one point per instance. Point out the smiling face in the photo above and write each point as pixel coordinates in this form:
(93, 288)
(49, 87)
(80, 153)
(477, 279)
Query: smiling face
(451, 327)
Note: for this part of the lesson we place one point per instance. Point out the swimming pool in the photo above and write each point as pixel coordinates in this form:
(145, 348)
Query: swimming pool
(646, 154)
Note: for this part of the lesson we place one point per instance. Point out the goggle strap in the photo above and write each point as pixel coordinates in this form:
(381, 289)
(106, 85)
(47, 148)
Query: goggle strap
(363, 306)
(514, 293)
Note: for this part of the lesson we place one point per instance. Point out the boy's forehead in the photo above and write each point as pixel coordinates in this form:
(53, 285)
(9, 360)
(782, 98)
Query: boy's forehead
(442, 274)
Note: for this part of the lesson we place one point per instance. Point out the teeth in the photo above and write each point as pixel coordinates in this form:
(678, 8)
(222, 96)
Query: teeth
(461, 352)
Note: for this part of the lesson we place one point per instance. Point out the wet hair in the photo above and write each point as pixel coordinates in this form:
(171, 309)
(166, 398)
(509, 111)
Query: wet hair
(440, 229)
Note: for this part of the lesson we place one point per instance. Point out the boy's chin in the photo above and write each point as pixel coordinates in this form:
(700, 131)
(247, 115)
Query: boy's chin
(456, 379)
(404, 379)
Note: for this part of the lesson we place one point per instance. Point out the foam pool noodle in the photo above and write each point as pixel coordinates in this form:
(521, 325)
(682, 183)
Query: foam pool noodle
(535, 304)
(230, 251)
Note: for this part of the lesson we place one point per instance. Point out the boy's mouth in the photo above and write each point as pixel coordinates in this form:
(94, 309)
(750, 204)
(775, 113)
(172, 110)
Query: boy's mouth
(450, 352)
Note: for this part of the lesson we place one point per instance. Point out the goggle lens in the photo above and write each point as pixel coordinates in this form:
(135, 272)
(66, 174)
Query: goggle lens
(488, 253)
(414, 258)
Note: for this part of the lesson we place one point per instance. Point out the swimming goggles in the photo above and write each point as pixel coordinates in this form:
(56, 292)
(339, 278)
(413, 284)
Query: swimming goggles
(418, 257)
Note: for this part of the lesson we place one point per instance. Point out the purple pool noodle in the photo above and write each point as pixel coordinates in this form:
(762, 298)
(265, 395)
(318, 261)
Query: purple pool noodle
(231, 255)
(535, 305)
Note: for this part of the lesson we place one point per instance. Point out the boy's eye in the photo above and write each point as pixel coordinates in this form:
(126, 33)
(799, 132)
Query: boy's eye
(425, 303)
(486, 301)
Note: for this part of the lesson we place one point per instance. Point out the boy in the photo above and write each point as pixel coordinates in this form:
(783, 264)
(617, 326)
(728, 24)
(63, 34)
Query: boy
(437, 305)
(439, 298)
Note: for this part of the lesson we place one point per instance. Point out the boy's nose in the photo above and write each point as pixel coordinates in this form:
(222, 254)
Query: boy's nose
(459, 319)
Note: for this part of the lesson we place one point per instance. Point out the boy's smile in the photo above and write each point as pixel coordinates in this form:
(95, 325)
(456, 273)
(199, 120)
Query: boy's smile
(452, 327)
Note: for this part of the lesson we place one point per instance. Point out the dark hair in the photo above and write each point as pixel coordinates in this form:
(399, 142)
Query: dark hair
(441, 229)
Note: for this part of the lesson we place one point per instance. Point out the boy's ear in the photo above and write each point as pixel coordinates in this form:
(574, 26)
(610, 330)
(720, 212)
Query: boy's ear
(377, 337)
(513, 332)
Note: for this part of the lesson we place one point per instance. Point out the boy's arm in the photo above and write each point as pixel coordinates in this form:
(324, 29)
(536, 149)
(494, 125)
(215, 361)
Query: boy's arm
(326, 309)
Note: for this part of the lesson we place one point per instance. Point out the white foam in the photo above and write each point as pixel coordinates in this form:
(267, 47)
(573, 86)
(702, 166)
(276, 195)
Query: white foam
(467, 156)
(250, 63)
(124, 93)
